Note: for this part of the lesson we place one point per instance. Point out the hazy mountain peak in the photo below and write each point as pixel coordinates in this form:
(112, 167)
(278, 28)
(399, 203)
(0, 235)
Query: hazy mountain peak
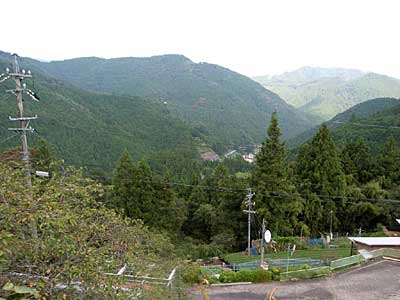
(307, 74)
(326, 92)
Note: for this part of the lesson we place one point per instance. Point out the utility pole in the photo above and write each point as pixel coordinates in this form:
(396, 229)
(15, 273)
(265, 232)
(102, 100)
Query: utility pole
(18, 76)
(249, 203)
(331, 224)
(262, 242)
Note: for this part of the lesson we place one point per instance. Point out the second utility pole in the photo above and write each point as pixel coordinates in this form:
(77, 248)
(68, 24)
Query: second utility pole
(249, 203)
(262, 243)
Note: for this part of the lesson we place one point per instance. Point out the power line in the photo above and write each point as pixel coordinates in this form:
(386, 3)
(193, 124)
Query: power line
(368, 125)
(273, 194)
(8, 138)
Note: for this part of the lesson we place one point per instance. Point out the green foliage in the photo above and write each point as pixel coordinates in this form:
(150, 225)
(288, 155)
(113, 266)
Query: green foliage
(346, 128)
(192, 274)
(319, 174)
(305, 273)
(17, 292)
(140, 194)
(223, 107)
(271, 181)
(59, 232)
(357, 161)
(91, 129)
(255, 276)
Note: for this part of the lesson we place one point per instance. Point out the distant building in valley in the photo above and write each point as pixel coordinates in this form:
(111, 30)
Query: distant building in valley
(249, 157)
(230, 153)
(209, 156)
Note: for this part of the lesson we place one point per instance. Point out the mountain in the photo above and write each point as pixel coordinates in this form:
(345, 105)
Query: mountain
(225, 108)
(93, 129)
(368, 120)
(326, 92)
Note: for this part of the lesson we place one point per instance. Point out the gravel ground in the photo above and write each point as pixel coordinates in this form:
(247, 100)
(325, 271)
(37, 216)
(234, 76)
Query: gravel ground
(375, 280)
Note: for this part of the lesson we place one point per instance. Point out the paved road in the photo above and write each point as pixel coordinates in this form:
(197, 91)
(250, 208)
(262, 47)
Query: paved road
(376, 280)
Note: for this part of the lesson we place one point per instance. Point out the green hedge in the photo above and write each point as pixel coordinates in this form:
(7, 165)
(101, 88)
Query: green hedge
(192, 275)
(307, 273)
(259, 275)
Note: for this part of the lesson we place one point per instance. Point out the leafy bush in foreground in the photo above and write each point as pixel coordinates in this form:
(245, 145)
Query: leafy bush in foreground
(58, 233)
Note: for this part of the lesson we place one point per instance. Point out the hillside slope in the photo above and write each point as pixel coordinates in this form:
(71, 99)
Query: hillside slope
(224, 107)
(326, 92)
(361, 121)
(91, 129)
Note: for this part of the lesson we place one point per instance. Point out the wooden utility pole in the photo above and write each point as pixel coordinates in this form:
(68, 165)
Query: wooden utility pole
(18, 76)
(249, 203)
(262, 243)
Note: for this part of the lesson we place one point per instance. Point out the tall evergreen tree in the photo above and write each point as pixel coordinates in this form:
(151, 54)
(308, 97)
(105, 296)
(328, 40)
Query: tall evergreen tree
(123, 176)
(319, 172)
(389, 163)
(357, 161)
(276, 200)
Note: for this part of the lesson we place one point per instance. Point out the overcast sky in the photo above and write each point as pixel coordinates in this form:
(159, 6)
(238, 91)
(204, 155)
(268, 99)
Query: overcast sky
(253, 37)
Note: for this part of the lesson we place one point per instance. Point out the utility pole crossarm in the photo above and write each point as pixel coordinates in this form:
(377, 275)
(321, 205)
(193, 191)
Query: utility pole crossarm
(22, 119)
(249, 203)
(20, 88)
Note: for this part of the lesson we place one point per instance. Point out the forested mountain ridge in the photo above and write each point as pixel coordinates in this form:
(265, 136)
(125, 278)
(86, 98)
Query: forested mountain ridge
(326, 92)
(92, 129)
(223, 106)
(359, 122)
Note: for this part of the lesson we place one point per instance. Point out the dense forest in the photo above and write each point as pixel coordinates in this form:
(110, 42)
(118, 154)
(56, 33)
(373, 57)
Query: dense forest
(147, 189)
(353, 186)
(222, 106)
(91, 129)
(185, 110)
(365, 120)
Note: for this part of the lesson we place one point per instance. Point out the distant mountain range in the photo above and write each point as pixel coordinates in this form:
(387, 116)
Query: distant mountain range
(374, 121)
(92, 129)
(326, 92)
(92, 109)
(222, 106)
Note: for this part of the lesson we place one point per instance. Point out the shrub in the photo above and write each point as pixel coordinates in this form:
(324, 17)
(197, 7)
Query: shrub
(258, 275)
(227, 276)
(276, 273)
(283, 241)
(192, 274)
(261, 275)
(244, 276)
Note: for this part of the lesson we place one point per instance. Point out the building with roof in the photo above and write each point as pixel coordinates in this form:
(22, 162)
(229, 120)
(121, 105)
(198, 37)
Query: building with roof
(372, 243)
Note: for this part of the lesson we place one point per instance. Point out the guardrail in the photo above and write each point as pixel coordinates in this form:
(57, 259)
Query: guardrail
(395, 253)
(340, 263)
(307, 273)
(318, 271)
(347, 261)
(280, 263)
(145, 279)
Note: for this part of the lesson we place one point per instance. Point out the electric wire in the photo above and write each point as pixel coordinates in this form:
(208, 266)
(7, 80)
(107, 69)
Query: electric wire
(368, 125)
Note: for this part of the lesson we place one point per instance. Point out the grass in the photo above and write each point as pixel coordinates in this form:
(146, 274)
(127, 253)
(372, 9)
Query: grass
(317, 253)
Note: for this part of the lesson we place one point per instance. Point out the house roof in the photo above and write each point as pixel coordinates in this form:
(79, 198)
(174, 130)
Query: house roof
(377, 241)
